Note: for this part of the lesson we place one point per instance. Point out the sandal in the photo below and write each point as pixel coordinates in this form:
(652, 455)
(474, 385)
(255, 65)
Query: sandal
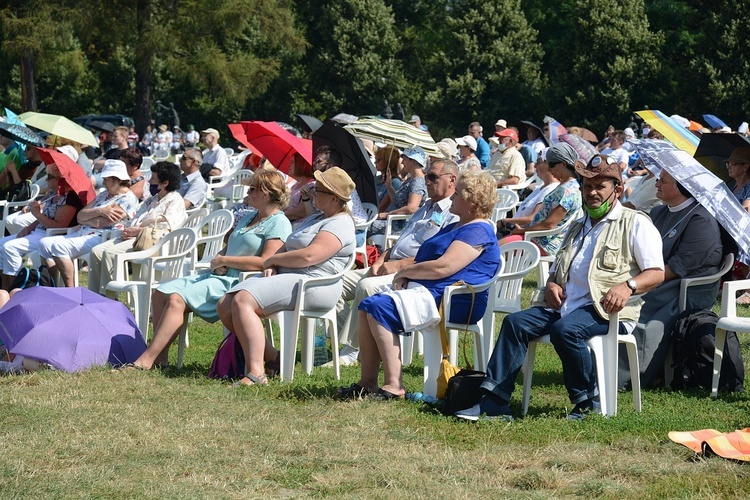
(744, 299)
(383, 395)
(262, 380)
(354, 391)
(273, 368)
(126, 367)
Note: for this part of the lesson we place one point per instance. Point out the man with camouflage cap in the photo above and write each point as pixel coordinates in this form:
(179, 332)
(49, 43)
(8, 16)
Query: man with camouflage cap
(606, 257)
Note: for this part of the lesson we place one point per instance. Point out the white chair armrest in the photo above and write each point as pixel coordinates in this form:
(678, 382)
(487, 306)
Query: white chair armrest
(728, 297)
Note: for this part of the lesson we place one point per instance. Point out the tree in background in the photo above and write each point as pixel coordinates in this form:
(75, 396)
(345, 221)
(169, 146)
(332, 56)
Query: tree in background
(610, 54)
(488, 62)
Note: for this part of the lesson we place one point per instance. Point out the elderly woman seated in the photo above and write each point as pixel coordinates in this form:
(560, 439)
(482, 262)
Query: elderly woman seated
(533, 202)
(111, 209)
(258, 236)
(466, 250)
(321, 246)
(692, 247)
(163, 211)
(558, 206)
(58, 210)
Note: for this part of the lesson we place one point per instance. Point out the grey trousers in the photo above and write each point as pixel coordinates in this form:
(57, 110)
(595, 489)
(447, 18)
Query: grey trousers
(102, 262)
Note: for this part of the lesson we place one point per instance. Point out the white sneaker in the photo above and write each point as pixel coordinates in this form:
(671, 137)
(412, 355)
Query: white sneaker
(347, 357)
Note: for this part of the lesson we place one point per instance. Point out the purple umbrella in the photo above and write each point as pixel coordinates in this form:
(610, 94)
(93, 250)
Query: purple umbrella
(70, 328)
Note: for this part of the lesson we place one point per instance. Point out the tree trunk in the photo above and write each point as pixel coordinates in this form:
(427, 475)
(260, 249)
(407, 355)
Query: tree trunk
(28, 81)
(143, 66)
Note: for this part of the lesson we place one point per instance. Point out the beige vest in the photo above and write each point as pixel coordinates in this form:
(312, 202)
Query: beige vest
(612, 263)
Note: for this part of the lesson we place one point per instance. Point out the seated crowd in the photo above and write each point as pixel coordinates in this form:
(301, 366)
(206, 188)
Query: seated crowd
(606, 250)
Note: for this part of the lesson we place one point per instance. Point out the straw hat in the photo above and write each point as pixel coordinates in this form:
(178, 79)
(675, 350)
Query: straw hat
(337, 182)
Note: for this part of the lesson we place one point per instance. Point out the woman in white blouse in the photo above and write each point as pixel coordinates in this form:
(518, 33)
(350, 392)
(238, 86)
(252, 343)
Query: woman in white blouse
(164, 209)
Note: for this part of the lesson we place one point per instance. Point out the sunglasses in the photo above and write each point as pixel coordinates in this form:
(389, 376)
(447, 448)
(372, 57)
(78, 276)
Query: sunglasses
(432, 177)
(597, 160)
(321, 191)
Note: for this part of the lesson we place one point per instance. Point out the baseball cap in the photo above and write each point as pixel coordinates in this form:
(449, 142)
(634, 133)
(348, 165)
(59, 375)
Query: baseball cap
(508, 132)
(212, 131)
(467, 140)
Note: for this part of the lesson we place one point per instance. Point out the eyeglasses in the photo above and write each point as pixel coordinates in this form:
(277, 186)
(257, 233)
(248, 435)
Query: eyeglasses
(51, 177)
(433, 177)
(317, 190)
(186, 158)
(733, 163)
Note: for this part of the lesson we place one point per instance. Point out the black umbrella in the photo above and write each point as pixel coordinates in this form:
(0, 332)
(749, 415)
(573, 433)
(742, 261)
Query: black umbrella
(355, 159)
(21, 134)
(541, 132)
(714, 149)
(310, 122)
(102, 126)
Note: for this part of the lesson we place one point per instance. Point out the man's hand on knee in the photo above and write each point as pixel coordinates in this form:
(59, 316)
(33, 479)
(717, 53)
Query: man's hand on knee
(616, 298)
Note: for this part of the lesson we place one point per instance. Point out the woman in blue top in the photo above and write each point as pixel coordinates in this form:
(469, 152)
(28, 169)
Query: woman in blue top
(409, 196)
(260, 234)
(466, 250)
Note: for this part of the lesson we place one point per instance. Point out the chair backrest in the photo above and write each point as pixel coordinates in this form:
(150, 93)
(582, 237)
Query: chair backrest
(325, 280)
(178, 244)
(229, 151)
(161, 154)
(239, 184)
(195, 216)
(524, 184)
(216, 224)
(372, 214)
(506, 201)
(390, 235)
(147, 163)
(20, 204)
(726, 265)
(451, 291)
(520, 257)
(555, 230)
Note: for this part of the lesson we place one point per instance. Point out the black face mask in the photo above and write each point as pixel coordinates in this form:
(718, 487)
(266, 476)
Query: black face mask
(154, 188)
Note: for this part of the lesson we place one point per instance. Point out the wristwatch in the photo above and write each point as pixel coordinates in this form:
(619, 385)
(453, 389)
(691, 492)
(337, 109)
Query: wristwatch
(632, 285)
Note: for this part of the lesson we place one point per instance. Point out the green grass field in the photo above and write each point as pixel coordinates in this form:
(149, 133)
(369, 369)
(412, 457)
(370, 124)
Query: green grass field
(176, 433)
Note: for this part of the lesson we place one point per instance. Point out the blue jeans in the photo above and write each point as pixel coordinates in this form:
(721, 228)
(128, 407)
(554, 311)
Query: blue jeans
(568, 335)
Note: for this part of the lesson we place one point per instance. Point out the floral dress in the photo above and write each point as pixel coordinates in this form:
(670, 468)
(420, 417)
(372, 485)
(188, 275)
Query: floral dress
(415, 185)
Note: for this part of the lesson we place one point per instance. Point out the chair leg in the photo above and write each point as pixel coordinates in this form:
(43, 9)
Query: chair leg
(407, 348)
(334, 334)
(433, 353)
(420, 342)
(288, 326)
(528, 372)
(635, 374)
(308, 326)
(182, 341)
(721, 338)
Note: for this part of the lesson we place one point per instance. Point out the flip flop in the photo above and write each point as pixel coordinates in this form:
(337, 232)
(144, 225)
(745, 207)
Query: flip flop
(127, 367)
(744, 299)
(354, 391)
(383, 395)
(262, 380)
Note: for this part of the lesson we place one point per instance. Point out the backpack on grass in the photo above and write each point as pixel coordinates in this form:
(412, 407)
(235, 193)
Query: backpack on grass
(229, 361)
(693, 344)
(29, 277)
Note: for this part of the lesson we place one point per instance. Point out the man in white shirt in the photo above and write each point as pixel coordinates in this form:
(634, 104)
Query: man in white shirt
(606, 257)
(214, 155)
(192, 186)
(510, 169)
(425, 223)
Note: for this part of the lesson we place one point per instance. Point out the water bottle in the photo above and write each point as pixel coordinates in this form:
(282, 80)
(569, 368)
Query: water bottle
(320, 352)
(424, 398)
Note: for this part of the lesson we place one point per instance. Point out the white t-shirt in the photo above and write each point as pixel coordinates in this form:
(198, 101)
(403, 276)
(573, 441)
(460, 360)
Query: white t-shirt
(535, 198)
(645, 245)
(216, 157)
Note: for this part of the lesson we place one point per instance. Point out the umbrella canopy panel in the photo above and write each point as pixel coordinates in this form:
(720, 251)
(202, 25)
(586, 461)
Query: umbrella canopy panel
(709, 190)
(71, 174)
(60, 126)
(395, 133)
(355, 159)
(714, 149)
(70, 328)
(277, 144)
(21, 134)
(671, 130)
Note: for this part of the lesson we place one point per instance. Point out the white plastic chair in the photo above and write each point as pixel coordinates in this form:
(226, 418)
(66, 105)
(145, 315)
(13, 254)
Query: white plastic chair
(524, 184)
(195, 216)
(507, 200)
(289, 326)
(372, 214)
(542, 269)
(433, 349)
(217, 224)
(728, 321)
(606, 350)
(390, 236)
(685, 284)
(170, 253)
(8, 205)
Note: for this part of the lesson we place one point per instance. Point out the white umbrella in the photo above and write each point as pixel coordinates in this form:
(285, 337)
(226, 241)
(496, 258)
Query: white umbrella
(707, 188)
